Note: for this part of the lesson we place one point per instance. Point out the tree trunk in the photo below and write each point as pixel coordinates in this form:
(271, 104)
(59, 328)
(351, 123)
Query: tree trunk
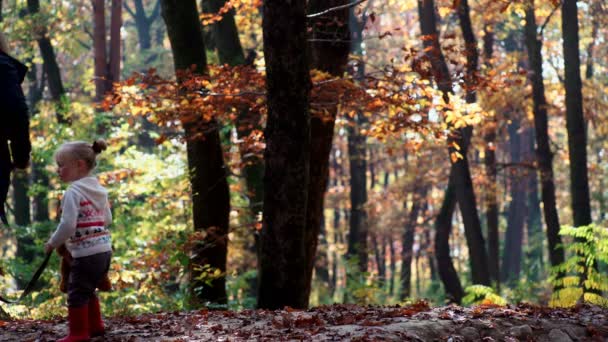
(115, 26)
(330, 57)
(445, 267)
(51, 68)
(357, 236)
(511, 262)
(460, 175)
(544, 154)
(419, 195)
(378, 256)
(143, 22)
(210, 197)
(230, 51)
(465, 192)
(534, 224)
(99, 46)
(392, 263)
(283, 265)
(575, 123)
(491, 198)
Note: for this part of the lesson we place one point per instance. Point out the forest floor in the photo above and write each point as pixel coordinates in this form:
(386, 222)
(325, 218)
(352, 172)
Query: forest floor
(341, 322)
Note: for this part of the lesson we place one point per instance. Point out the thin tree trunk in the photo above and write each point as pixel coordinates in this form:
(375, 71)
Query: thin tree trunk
(229, 49)
(210, 197)
(115, 26)
(377, 255)
(99, 46)
(534, 224)
(511, 262)
(392, 263)
(491, 198)
(51, 68)
(544, 154)
(357, 236)
(419, 194)
(445, 267)
(460, 177)
(283, 262)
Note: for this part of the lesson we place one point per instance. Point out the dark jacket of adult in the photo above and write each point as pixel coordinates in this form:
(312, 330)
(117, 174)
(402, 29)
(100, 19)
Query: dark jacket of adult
(15, 144)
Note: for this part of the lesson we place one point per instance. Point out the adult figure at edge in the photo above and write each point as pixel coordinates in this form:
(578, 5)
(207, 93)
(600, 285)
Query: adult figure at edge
(15, 146)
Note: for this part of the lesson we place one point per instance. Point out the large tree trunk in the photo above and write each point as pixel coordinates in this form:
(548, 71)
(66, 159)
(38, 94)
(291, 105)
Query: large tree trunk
(283, 279)
(210, 197)
(544, 154)
(511, 262)
(330, 57)
(491, 197)
(575, 123)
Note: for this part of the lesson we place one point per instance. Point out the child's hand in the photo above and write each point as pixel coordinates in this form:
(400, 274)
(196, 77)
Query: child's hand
(48, 248)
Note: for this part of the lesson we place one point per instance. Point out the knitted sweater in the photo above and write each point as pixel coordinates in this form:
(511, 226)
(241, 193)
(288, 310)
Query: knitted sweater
(85, 217)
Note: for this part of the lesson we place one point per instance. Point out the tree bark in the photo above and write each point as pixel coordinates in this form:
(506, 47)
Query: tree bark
(511, 262)
(51, 67)
(418, 198)
(534, 224)
(491, 198)
(143, 22)
(229, 49)
(283, 280)
(357, 236)
(544, 154)
(210, 196)
(99, 46)
(460, 175)
(575, 123)
(330, 57)
(445, 267)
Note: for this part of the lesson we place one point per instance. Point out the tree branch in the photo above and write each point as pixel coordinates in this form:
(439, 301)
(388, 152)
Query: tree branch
(333, 9)
(128, 9)
(155, 12)
(542, 28)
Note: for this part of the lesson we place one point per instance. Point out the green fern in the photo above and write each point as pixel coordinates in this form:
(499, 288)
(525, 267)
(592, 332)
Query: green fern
(589, 252)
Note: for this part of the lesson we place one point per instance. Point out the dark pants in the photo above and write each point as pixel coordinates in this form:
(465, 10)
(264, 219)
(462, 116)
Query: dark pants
(85, 274)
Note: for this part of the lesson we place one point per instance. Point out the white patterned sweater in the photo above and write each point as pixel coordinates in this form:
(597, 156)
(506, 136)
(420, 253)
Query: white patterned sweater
(85, 216)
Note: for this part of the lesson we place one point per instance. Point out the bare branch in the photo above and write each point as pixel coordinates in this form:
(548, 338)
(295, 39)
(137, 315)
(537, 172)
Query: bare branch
(542, 28)
(333, 9)
(128, 9)
(155, 12)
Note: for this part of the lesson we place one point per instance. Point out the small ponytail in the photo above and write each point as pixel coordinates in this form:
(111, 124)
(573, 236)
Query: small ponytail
(99, 146)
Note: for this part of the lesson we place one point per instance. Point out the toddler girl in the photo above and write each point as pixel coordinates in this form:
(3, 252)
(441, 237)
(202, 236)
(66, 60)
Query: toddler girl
(83, 228)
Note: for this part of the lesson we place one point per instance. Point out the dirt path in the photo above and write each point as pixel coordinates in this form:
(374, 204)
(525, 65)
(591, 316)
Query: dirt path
(343, 323)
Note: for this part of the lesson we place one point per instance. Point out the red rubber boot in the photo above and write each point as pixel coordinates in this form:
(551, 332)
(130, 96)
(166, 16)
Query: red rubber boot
(96, 327)
(78, 322)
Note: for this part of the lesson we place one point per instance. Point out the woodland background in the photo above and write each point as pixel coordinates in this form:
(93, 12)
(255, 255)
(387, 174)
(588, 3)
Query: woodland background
(369, 152)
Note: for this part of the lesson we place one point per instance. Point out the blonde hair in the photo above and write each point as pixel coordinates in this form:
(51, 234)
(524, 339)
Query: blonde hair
(80, 150)
(3, 43)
